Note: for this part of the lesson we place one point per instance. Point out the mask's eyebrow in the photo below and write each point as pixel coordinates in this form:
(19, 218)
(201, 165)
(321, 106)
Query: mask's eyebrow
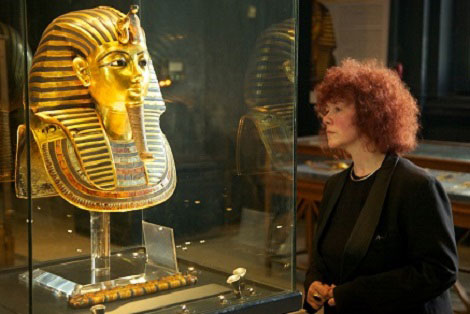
(141, 53)
(114, 51)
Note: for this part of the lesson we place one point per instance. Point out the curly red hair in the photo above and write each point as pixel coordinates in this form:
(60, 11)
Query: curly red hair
(386, 113)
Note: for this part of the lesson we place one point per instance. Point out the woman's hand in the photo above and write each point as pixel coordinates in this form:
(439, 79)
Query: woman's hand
(318, 293)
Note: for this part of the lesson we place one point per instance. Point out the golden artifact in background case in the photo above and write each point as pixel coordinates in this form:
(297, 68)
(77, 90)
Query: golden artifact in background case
(96, 107)
(323, 41)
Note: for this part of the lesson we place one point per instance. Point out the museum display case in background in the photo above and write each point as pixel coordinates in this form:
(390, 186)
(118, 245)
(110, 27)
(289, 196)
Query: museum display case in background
(227, 76)
(13, 211)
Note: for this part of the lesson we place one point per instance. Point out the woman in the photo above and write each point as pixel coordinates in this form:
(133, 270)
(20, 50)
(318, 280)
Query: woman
(385, 239)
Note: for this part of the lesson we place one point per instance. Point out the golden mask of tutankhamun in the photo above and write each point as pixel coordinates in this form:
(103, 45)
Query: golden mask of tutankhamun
(95, 110)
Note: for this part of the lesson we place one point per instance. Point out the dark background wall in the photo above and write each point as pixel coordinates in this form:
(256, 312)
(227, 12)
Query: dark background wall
(430, 39)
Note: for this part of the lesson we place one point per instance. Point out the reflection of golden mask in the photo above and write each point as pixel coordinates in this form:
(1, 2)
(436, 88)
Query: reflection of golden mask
(96, 107)
(270, 96)
(12, 77)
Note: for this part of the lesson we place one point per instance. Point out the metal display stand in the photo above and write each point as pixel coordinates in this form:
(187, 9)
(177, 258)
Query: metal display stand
(105, 271)
(100, 241)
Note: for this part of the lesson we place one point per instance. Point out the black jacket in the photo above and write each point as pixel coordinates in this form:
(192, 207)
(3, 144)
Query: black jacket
(401, 256)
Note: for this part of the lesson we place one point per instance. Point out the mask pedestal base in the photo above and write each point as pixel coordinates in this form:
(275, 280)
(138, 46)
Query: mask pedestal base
(76, 277)
(73, 279)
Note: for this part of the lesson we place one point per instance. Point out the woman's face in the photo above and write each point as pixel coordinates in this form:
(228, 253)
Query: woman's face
(340, 127)
(119, 75)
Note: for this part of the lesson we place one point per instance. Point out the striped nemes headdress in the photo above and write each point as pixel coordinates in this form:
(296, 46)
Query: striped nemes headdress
(53, 83)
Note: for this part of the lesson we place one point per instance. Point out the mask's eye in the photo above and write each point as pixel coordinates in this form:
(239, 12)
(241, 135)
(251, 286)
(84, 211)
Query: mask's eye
(118, 63)
(143, 63)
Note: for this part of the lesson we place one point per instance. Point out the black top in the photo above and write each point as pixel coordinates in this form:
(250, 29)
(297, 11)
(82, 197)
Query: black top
(344, 217)
(401, 256)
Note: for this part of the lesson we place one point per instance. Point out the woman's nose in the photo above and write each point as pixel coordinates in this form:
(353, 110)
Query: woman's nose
(326, 119)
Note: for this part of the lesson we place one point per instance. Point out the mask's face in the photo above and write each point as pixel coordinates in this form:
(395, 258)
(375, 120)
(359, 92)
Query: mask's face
(119, 75)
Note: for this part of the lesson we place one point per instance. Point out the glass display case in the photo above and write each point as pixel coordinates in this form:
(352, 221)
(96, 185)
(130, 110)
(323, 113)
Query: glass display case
(140, 141)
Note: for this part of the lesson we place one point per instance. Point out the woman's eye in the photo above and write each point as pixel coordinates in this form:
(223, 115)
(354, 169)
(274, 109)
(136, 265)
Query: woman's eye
(118, 63)
(143, 63)
(337, 109)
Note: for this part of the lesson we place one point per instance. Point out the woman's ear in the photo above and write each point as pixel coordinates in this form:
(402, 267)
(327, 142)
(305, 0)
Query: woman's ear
(80, 66)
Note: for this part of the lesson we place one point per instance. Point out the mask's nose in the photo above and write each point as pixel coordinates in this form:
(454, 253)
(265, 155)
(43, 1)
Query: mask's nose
(137, 73)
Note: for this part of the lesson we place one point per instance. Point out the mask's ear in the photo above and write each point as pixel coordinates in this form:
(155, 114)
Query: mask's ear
(80, 67)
